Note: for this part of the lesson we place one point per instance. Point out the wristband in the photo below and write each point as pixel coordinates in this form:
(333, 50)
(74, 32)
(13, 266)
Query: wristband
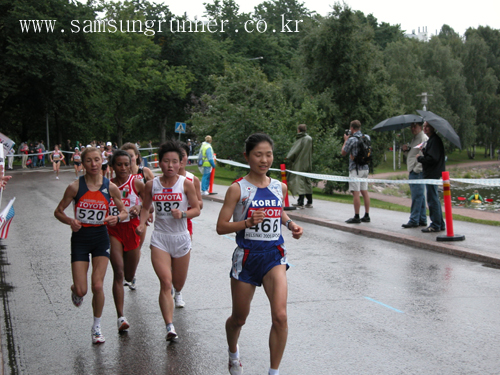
(118, 217)
(184, 214)
(287, 224)
(245, 223)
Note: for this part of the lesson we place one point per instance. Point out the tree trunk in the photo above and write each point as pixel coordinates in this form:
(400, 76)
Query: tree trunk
(163, 130)
(119, 129)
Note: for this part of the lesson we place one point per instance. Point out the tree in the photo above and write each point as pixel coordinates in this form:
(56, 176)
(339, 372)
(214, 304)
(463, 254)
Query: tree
(447, 71)
(45, 73)
(482, 84)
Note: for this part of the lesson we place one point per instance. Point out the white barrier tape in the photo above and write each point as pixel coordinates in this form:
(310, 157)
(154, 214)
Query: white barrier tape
(324, 177)
(20, 155)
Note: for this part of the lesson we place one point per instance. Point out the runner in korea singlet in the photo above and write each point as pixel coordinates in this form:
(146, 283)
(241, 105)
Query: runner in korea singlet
(265, 235)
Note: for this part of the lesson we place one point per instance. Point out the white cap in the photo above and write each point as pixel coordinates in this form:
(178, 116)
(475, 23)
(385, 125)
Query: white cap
(108, 144)
(89, 146)
(76, 148)
(98, 146)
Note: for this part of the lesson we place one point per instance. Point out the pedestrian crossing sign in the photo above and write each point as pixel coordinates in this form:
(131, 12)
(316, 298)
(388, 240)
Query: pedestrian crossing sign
(180, 127)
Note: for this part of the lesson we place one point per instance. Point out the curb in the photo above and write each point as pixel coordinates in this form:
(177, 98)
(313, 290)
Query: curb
(440, 247)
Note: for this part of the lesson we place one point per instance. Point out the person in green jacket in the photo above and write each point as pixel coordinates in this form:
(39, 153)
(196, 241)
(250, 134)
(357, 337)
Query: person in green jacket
(300, 157)
(476, 197)
(206, 163)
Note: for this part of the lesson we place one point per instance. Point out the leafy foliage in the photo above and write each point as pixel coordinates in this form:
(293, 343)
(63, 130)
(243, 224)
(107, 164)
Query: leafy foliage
(323, 71)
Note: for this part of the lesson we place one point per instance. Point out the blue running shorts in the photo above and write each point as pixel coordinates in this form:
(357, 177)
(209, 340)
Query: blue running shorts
(251, 267)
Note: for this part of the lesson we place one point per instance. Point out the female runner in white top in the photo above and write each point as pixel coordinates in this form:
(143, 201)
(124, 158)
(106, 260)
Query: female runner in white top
(170, 241)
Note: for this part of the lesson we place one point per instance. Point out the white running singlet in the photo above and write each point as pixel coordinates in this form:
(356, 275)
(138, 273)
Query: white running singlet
(164, 200)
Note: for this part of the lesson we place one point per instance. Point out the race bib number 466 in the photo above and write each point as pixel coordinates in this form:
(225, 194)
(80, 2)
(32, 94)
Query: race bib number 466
(269, 229)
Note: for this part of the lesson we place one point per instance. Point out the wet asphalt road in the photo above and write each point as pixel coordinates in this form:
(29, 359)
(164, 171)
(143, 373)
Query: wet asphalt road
(356, 305)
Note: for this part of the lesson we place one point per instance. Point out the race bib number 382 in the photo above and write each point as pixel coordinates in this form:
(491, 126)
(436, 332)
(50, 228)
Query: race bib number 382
(269, 229)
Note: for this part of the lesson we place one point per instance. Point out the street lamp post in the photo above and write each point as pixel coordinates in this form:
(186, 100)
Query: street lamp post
(424, 96)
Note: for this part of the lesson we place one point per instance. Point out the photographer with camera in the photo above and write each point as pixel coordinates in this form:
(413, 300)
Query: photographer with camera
(351, 147)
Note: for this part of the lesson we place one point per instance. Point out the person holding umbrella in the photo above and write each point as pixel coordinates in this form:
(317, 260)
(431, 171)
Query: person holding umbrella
(418, 214)
(433, 163)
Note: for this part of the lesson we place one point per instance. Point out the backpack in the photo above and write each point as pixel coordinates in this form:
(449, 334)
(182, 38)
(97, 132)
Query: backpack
(364, 155)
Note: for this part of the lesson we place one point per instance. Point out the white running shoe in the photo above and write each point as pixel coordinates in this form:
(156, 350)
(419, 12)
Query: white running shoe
(179, 302)
(57, 177)
(204, 192)
(235, 367)
(123, 324)
(77, 301)
(171, 334)
(132, 285)
(97, 337)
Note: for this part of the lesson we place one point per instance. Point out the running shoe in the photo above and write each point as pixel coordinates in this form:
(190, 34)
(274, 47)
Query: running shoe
(123, 324)
(179, 302)
(171, 334)
(132, 285)
(77, 301)
(57, 177)
(97, 337)
(204, 192)
(235, 367)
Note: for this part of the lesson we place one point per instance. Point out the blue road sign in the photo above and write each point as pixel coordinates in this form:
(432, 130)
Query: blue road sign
(180, 127)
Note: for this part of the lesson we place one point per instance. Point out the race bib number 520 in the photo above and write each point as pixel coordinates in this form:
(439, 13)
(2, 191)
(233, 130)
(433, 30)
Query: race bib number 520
(90, 216)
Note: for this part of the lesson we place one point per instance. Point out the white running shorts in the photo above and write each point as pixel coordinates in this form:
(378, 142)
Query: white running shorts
(177, 245)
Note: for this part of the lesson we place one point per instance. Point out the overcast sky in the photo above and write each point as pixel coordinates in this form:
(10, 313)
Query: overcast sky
(458, 14)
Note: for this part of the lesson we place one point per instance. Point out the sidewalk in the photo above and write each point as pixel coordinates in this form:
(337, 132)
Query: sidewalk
(481, 241)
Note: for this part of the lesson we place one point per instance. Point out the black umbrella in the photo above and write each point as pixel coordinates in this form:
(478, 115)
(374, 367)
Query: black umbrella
(442, 126)
(397, 122)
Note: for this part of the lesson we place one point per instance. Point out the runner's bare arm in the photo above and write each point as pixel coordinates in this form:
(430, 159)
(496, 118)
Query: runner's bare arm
(139, 188)
(296, 230)
(193, 202)
(146, 204)
(116, 195)
(197, 186)
(68, 197)
(148, 174)
(224, 224)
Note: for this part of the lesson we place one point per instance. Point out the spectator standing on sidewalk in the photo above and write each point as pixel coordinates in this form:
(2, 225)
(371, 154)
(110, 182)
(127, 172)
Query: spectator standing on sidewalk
(433, 163)
(351, 148)
(206, 163)
(42, 146)
(33, 156)
(24, 149)
(418, 215)
(300, 155)
(10, 157)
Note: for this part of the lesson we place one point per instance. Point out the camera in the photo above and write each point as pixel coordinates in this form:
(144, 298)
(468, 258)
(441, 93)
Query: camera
(348, 132)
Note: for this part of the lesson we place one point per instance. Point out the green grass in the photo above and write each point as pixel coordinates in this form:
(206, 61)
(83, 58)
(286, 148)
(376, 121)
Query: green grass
(225, 177)
(456, 157)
